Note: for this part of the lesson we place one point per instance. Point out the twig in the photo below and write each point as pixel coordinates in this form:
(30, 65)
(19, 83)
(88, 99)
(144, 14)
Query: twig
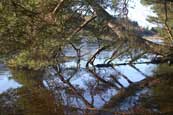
(91, 60)
(57, 6)
(82, 26)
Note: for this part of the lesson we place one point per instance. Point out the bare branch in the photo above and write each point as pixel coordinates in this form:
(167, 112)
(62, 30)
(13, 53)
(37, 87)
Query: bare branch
(57, 6)
(82, 26)
(91, 60)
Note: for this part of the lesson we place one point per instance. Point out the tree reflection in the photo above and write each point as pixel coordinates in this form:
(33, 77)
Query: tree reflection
(76, 88)
(31, 98)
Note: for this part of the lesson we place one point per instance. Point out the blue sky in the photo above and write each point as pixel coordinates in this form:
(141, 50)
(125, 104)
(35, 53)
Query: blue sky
(139, 13)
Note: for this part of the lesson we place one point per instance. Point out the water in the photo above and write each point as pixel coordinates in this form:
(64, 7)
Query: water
(71, 88)
(6, 80)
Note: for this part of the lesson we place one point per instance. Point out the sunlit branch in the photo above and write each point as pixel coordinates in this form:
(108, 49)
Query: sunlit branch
(57, 6)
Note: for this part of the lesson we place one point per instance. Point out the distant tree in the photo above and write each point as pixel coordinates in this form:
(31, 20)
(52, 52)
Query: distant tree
(164, 11)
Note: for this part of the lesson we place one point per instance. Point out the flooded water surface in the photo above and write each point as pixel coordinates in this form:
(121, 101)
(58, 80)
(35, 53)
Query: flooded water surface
(73, 88)
(86, 57)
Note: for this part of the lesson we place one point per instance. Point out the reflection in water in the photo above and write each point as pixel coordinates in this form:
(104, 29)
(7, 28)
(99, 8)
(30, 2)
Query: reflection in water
(6, 82)
(31, 98)
(72, 88)
(159, 97)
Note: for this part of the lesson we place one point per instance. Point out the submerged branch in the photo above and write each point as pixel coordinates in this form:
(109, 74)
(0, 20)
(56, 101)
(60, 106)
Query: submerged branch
(129, 91)
(124, 76)
(134, 67)
(122, 64)
(116, 81)
(91, 60)
(137, 57)
(73, 88)
(102, 80)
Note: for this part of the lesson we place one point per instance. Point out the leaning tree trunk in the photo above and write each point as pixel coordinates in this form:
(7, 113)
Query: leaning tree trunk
(119, 29)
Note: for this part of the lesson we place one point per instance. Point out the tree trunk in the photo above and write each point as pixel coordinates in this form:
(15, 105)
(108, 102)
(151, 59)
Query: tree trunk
(119, 29)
